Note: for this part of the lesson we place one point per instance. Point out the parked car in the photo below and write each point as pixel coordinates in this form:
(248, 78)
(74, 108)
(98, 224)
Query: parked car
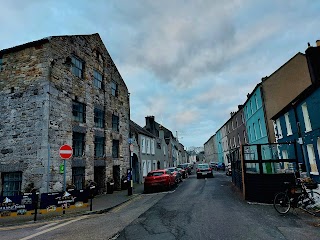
(183, 172)
(159, 179)
(220, 166)
(204, 170)
(212, 165)
(176, 174)
(186, 167)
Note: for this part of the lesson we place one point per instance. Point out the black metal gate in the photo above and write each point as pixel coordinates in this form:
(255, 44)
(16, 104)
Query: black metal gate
(259, 170)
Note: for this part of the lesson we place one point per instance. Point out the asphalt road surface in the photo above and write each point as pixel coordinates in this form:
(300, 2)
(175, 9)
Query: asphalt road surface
(213, 209)
(197, 209)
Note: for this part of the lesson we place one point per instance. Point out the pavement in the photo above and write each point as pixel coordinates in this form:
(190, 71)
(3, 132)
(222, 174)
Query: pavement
(100, 204)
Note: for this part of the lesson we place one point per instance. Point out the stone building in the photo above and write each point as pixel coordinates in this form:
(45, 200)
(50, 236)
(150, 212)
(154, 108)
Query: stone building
(61, 90)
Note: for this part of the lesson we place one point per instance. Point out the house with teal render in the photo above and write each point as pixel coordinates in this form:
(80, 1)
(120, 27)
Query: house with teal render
(219, 144)
(298, 122)
(255, 118)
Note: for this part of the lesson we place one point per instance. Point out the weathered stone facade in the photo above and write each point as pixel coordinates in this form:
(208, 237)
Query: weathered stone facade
(37, 92)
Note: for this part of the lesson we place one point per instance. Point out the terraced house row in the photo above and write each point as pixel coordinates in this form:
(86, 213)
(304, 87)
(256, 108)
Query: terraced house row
(55, 91)
(282, 108)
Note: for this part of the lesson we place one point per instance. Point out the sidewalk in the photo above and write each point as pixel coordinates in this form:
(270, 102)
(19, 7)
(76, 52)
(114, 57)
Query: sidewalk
(100, 204)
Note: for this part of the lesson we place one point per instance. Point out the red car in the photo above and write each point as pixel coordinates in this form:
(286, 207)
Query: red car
(161, 178)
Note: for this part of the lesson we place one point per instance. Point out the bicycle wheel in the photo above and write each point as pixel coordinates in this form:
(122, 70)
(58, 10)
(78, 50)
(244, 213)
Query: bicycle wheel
(314, 205)
(281, 203)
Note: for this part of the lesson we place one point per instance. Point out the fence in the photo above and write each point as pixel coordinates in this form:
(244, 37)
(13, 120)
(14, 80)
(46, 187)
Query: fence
(259, 170)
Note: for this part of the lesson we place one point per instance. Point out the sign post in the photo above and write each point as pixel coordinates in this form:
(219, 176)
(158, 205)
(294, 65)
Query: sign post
(65, 152)
(129, 171)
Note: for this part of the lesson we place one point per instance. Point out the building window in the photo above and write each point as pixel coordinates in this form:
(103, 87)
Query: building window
(164, 149)
(234, 142)
(312, 160)
(78, 177)
(236, 122)
(78, 144)
(114, 89)
(77, 67)
(11, 182)
(99, 146)
(152, 147)
(251, 107)
(306, 117)
(143, 145)
(279, 130)
(288, 124)
(250, 135)
(98, 118)
(78, 111)
(115, 123)
(115, 148)
(242, 117)
(97, 79)
(148, 145)
(245, 137)
(239, 140)
(232, 125)
(256, 100)
(260, 128)
(255, 132)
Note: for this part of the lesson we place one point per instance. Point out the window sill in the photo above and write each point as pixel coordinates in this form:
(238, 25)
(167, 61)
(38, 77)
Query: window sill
(306, 131)
(289, 134)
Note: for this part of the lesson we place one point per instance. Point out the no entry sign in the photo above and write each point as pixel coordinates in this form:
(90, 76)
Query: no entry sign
(65, 151)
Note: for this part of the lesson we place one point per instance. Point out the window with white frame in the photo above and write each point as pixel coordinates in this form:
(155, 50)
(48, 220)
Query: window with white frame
(245, 137)
(143, 145)
(288, 124)
(256, 99)
(260, 128)
(306, 117)
(149, 165)
(164, 149)
(152, 146)
(255, 132)
(249, 134)
(279, 130)
(234, 142)
(148, 145)
(251, 107)
(312, 160)
(144, 168)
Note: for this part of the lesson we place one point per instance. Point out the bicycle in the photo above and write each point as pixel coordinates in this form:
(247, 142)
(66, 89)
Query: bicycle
(298, 195)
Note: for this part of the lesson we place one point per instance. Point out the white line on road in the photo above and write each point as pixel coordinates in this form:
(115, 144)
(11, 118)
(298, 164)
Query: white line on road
(56, 227)
(47, 225)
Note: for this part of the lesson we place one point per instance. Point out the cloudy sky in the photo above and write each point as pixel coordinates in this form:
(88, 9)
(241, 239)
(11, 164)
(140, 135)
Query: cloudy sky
(189, 63)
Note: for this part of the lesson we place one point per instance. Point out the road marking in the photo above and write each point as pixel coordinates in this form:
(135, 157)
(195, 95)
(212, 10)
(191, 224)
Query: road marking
(47, 225)
(56, 227)
(117, 209)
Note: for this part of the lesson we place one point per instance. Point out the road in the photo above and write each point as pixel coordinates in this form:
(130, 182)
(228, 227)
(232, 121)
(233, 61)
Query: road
(197, 209)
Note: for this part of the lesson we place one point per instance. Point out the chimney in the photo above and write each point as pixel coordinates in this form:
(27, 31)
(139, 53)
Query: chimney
(150, 124)
(318, 43)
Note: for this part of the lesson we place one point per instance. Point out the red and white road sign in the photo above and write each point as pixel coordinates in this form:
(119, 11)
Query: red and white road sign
(65, 151)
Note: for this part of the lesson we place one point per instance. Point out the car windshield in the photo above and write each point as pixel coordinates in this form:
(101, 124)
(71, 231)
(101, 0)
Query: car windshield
(154, 174)
(203, 166)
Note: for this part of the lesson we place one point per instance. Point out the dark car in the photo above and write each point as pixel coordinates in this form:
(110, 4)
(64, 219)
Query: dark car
(176, 174)
(220, 166)
(186, 167)
(204, 170)
(183, 172)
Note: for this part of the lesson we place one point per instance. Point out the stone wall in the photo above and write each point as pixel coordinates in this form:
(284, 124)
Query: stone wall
(38, 110)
